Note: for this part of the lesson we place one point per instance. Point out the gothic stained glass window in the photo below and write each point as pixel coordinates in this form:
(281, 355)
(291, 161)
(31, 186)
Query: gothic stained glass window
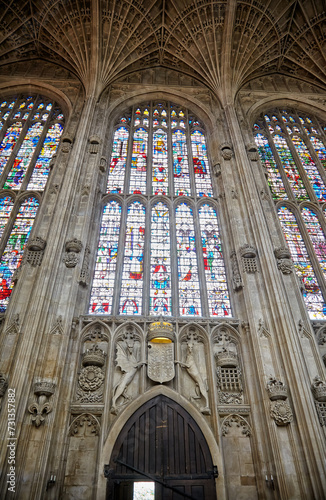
(13, 253)
(189, 294)
(160, 285)
(217, 290)
(166, 159)
(106, 261)
(31, 128)
(302, 158)
(133, 263)
(118, 160)
(274, 177)
(312, 295)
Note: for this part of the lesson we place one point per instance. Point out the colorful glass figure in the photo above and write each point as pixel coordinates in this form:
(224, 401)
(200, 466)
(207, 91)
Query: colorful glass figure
(180, 163)
(106, 260)
(274, 177)
(319, 148)
(189, 290)
(139, 162)
(310, 168)
(312, 296)
(6, 205)
(13, 253)
(217, 290)
(8, 143)
(316, 235)
(200, 162)
(118, 160)
(133, 263)
(160, 281)
(160, 163)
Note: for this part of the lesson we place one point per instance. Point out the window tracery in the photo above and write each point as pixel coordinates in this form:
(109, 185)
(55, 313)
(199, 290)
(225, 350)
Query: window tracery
(292, 148)
(170, 251)
(31, 127)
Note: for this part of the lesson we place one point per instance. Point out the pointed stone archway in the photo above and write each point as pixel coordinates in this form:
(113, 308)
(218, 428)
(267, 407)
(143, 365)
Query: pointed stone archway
(163, 444)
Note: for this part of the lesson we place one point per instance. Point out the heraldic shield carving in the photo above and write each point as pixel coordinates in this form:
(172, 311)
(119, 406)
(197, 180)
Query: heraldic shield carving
(160, 362)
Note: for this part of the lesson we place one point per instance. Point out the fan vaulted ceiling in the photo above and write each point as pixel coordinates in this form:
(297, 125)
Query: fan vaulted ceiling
(225, 42)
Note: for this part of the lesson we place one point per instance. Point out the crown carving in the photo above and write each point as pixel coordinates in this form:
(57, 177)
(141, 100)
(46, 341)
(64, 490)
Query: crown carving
(44, 388)
(94, 356)
(36, 244)
(74, 245)
(160, 328)
(227, 359)
(248, 251)
(319, 389)
(282, 253)
(276, 389)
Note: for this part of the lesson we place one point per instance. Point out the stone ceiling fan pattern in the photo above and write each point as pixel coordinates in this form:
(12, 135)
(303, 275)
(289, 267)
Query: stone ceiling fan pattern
(217, 42)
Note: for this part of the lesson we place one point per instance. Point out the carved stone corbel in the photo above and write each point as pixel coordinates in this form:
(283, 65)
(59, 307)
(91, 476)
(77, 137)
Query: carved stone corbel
(73, 248)
(43, 391)
(284, 261)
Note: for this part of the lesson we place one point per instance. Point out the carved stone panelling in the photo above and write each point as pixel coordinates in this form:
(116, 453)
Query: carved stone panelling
(84, 425)
(194, 365)
(238, 421)
(128, 363)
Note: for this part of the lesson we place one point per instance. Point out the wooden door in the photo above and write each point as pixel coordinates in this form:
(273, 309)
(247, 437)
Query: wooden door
(161, 442)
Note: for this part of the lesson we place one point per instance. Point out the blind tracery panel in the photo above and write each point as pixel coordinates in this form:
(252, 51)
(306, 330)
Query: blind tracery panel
(31, 127)
(160, 249)
(292, 147)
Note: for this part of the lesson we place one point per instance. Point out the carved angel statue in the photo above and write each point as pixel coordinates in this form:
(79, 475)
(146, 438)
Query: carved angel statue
(194, 373)
(127, 360)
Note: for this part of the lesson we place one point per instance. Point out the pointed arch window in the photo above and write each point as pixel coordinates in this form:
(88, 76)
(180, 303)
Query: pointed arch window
(292, 149)
(31, 127)
(168, 251)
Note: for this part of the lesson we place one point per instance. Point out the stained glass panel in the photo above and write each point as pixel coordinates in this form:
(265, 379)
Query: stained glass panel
(312, 296)
(139, 162)
(6, 205)
(41, 169)
(160, 162)
(180, 163)
(320, 149)
(316, 235)
(106, 260)
(274, 177)
(310, 168)
(160, 284)
(290, 168)
(24, 156)
(132, 275)
(217, 290)
(13, 253)
(189, 292)
(200, 162)
(8, 143)
(118, 160)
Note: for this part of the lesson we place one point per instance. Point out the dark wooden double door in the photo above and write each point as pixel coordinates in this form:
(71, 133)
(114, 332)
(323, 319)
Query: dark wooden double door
(162, 443)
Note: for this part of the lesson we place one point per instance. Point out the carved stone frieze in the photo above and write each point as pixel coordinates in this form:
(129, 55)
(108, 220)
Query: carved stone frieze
(238, 421)
(40, 408)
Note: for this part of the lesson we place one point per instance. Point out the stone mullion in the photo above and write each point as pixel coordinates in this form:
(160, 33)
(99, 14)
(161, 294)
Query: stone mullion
(290, 342)
(120, 258)
(44, 292)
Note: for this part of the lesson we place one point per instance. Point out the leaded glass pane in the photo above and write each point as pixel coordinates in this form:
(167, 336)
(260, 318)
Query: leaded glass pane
(316, 235)
(201, 167)
(139, 162)
(274, 177)
(217, 290)
(106, 260)
(180, 164)
(160, 162)
(118, 160)
(189, 293)
(312, 296)
(132, 275)
(13, 253)
(160, 283)
(319, 148)
(8, 143)
(6, 205)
